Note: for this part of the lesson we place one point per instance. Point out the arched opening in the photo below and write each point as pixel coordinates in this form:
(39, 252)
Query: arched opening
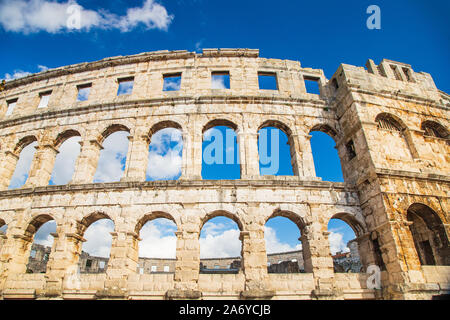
(158, 244)
(40, 230)
(429, 235)
(326, 159)
(391, 130)
(68, 144)
(3, 229)
(220, 246)
(283, 245)
(111, 163)
(344, 248)
(434, 129)
(220, 151)
(165, 154)
(25, 149)
(274, 150)
(97, 247)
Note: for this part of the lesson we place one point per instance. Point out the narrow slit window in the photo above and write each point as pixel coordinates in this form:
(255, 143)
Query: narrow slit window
(407, 73)
(396, 72)
(125, 86)
(11, 105)
(267, 81)
(220, 80)
(83, 92)
(45, 97)
(312, 85)
(351, 149)
(172, 82)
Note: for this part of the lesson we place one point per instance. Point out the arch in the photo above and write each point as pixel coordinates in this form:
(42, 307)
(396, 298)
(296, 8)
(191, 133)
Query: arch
(294, 217)
(90, 219)
(64, 136)
(325, 128)
(276, 124)
(429, 235)
(24, 142)
(434, 129)
(351, 220)
(220, 122)
(152, 216)
(163, 125)
(35, 223)
(390, 122)
(221, 213)
(112, 129)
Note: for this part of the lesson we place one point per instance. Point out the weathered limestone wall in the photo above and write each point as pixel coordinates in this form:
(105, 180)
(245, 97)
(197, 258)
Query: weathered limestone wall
(386, 171)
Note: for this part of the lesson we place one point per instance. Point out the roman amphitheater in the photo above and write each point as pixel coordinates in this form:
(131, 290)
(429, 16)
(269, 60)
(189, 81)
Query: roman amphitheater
(390, 124)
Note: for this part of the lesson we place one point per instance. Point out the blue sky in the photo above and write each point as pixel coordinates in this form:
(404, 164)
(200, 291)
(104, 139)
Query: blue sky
(319, 34)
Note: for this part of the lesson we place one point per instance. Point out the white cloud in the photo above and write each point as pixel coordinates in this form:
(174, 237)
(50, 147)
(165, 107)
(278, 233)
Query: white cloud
(158, 239)
(218, 83)
(43, 236)
(165, 155)
(30, 16)
(17, 74)
(224, 244)
(111, 163)
(99, 238)
(337, 242)
(65, 161)
(274, 245)
(23, 166)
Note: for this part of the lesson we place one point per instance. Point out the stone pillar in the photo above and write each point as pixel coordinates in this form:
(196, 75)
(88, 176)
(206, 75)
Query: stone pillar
(366, 251)
(42, 166)
(307, 162)
(62, 267)
(137, 158)
(296, 155)
(248, 155)
(187, 265)
(123, 261)
(191, 168)
(318, 260)
(254, 264)
(9, 162)
(14, 254)
(87, 161)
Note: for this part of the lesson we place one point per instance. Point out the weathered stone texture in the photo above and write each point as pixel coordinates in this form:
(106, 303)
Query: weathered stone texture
(390, 125)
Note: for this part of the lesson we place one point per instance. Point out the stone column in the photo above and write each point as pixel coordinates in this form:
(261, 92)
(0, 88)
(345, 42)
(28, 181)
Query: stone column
(248, 155)
(187, 265)
(123, 261)
(296, 155)
(307, 161)
(9, 162)
(137, 158)
(87, 161)
(192, 156)
(62, 267)
(318, 260)
(254, 264)
(42, 166)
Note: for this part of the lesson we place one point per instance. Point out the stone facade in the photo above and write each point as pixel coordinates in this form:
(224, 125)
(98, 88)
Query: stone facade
(390, 127)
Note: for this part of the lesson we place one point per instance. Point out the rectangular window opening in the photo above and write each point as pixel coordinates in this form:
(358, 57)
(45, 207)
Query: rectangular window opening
(312, 85)
(407, 73)
(172, 82)
(267, 81)
(101, 264)
(351, 149)
(11, 105)
(396, 72)
(88, 263)
(166, 268)
(125, 86)
(153, 269)
(220, 80)
(83, 92)
(45, 97)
